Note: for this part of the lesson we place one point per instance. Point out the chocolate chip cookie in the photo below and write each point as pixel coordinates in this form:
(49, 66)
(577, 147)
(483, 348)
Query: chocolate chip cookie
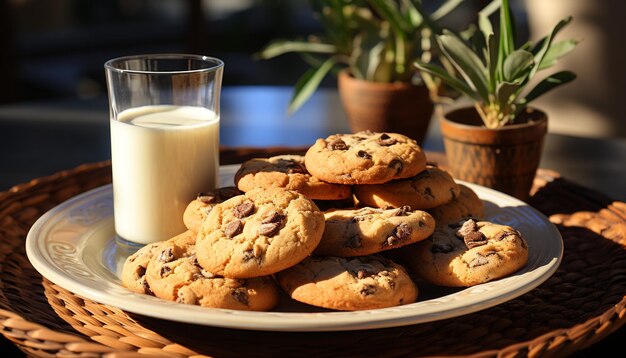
(364, 158)
(174, 274)
(259, 233)
(430, 188)
(347, 284)
(365, 231)
(134, 269)
(466, 205)
(289, 172)
(198, 209)
(468, 253)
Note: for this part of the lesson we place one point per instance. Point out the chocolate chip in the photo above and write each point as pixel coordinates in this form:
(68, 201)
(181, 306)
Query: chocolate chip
(241, 295)
(502, 235)
(244, 209)
(271, 224)
(194, 261)
(248, 255)
(386, 140)
(295, 168)
(441, 248)
(474, 239)
(141, 271)
(145, 286)
(337, 144)
(363, 154)
(399, 233)
(362, 273)
(206, 198)
(480, 260)
(165, 270)
(353, 242)
(367, 290)
(428, 192)
(273, 217)
(132, 258)
(401, 211)
(391, 240)
(233, 228)
(166, 255)
(226, 193)
(403, 231)
(396, 164)
(467, 227)
(269, 229)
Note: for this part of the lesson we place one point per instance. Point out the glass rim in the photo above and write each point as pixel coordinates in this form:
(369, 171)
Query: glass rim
(215, 63)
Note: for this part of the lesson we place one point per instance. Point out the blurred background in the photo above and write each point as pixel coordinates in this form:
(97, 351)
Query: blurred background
(52, 53)
(56, 48)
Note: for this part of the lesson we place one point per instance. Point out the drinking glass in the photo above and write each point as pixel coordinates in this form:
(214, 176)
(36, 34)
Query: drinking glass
(164, 121)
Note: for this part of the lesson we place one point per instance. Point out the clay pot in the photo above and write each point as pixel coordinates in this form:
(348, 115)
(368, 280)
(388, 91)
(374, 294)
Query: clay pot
(385, 107)
(505, 159)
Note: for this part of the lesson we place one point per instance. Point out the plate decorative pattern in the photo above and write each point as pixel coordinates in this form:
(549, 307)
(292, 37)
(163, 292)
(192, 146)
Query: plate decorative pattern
(73, 246)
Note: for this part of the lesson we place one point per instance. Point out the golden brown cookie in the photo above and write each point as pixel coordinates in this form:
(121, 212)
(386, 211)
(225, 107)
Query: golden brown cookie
(348, 284)
(364, 158)
(198, 209)
(468, 253)
(259, 233)
(174, 274)
(466, 205)
(289, 172)
(134, 269)
(430, 188)
(365, 231)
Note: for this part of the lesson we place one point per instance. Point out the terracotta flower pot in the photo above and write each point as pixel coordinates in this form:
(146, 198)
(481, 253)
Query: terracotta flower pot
(505, 159)
(386, 107)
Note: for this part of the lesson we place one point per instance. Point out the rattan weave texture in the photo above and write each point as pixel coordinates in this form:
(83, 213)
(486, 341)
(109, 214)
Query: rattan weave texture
(581, 304)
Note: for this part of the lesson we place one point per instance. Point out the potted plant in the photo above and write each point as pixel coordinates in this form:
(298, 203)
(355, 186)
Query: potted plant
(371, 46)
(498, 141)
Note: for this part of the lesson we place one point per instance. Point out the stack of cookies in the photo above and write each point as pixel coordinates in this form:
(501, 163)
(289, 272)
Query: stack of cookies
(390, 220)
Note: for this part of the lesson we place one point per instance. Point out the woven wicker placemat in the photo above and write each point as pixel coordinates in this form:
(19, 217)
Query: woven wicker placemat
(580, 305)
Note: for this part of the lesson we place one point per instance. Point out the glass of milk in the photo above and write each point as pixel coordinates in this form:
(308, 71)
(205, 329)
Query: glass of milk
(164, 117)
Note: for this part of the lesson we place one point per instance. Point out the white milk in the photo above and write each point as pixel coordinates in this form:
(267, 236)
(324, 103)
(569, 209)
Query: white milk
(162, 157)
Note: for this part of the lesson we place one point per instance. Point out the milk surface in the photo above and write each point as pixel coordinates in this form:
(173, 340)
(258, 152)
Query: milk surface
(162, 157)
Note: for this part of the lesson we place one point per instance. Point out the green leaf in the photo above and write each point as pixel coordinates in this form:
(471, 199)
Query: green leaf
(308, 84)
(448, 79)
(445, 8)
(549, 83)
(547, 43)
(367, 55)
(388, 10)
(278, 48)
(556, 51)
(483, 17)
(465, 61)
(492, 58)
(517, 65)
(414, 15)
(507, 37)
(506, 93)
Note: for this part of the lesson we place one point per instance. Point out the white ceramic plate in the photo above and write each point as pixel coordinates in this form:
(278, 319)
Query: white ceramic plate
(73, 245)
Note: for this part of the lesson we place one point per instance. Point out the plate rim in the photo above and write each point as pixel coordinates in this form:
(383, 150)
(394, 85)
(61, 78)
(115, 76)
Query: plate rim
(275, 321)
